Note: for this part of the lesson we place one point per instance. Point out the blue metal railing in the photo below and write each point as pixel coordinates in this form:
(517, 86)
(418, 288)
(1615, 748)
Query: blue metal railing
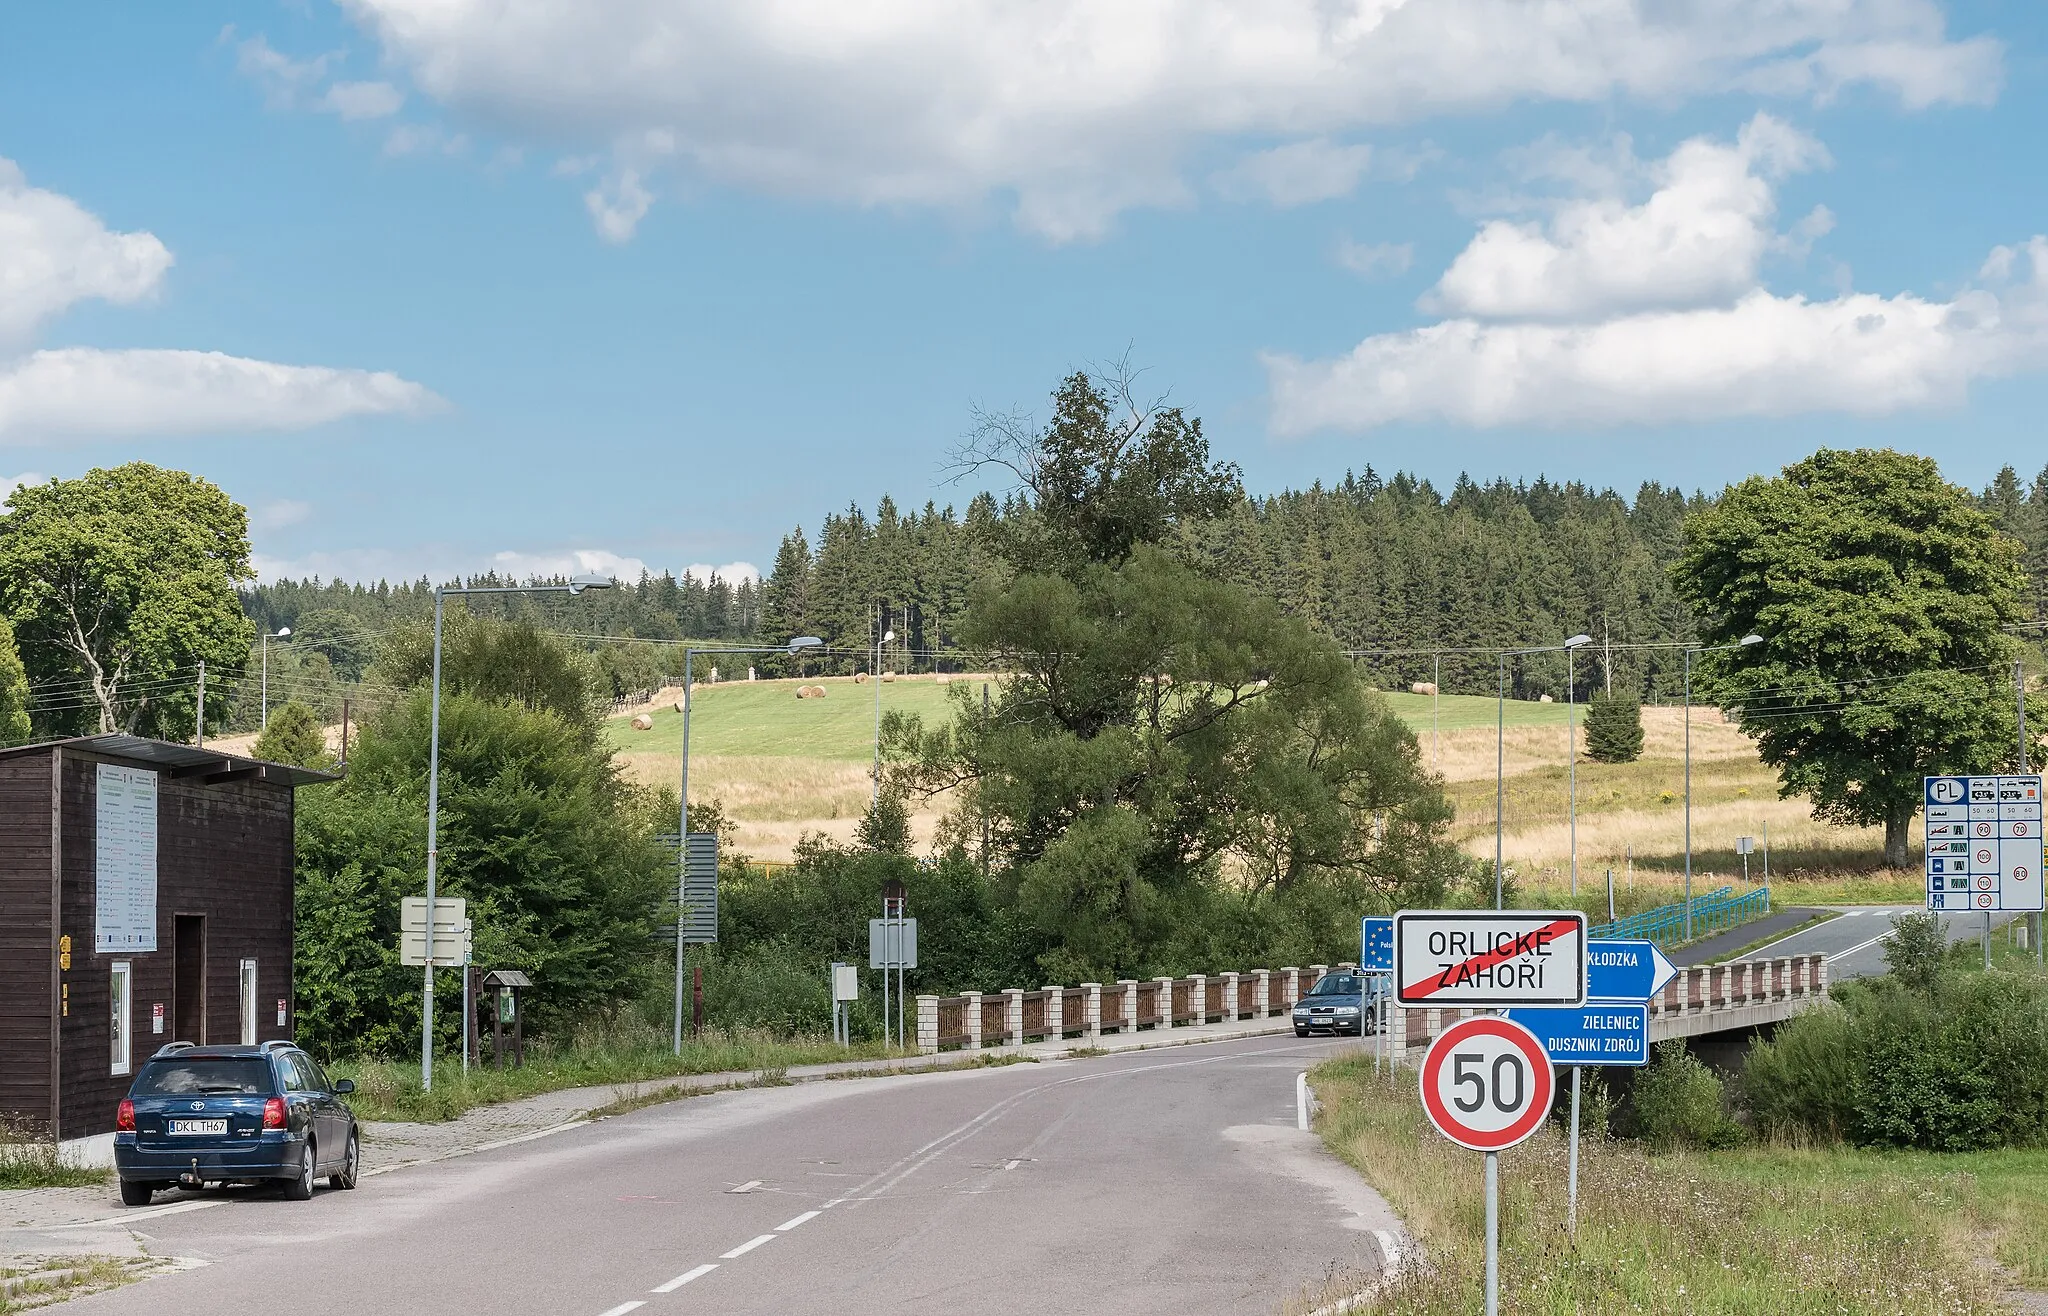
(1713, 912)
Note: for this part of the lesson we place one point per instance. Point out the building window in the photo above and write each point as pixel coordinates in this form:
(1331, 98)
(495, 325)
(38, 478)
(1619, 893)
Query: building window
(119, 993)
(248, 1002)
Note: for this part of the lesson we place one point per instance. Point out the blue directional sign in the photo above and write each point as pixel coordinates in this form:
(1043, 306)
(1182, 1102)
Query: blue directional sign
(1376, 942)
(1596, 1033)
(1625, 970)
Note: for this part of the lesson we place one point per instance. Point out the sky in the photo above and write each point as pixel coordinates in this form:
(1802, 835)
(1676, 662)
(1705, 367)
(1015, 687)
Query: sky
(440, 286)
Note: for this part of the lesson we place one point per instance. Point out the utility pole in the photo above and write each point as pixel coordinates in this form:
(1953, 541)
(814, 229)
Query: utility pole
(199, 722)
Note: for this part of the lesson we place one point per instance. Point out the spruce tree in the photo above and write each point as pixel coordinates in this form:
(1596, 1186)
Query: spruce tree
(1614, 729)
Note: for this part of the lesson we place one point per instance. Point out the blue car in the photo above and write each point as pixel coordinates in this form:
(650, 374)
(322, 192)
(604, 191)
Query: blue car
(1340, 1002)
(199, 1115)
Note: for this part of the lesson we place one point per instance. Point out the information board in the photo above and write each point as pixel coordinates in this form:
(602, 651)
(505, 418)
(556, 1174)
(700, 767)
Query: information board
(124, 860)
(1984, 843)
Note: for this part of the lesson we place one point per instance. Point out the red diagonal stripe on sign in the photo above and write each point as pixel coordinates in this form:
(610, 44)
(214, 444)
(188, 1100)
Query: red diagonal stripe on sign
(1487, 959)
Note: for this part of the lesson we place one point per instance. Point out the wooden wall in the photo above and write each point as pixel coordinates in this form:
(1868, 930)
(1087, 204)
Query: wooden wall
(224, 851)
(28, 942)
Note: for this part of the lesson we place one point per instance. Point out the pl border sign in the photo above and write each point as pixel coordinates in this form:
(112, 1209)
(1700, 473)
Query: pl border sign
(1984, 843)
(1487, 1083)
(1490, 959)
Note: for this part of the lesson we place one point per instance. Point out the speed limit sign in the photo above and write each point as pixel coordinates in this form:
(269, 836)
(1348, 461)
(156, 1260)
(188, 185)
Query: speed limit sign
(1487, 1083)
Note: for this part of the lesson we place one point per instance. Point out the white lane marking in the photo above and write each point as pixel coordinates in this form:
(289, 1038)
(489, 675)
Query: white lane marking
(1013, 1163)
(1847, 913)
(747, 1187)
(624, 1307)
(747, 1246)
(1301, 1101)
(788, 1225)
(1861, 945)
(1390, 1248)
(122, 1220)
(684, 1278)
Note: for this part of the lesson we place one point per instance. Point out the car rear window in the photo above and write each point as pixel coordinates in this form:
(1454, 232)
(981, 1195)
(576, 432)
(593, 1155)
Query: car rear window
(203, 1076)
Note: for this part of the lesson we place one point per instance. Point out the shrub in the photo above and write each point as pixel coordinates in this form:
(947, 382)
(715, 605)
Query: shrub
(294, 736)
(1961, 1066)
(1916, 948)
(1679, 1102)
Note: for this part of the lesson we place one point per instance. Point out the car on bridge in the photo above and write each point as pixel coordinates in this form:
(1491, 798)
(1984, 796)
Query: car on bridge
(1344, 1001)
(199, 1115)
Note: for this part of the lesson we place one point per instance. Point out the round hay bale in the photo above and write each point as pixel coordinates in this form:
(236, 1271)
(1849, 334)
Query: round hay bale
(859, 678)
(642, 722)
(1541, 699)
(1422, 688)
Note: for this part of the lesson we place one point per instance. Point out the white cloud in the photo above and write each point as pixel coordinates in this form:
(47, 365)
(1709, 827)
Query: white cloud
(76, 392)
(732, 573)
(424, 139)
(569, 562)
(1297, 173)
(1071, 111)
(363, 100)
(617, 206)
(279, 514)
(54, 252)
(1697, 240)
(1764, 355)
(1372, 260)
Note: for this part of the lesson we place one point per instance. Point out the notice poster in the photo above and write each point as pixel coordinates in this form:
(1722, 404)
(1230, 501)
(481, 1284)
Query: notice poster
(124, 860)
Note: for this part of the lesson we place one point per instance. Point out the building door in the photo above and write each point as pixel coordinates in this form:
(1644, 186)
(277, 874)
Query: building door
(188, 983)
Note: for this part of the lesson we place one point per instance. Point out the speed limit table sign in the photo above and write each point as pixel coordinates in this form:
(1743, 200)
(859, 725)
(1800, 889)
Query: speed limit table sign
(1487, 1083)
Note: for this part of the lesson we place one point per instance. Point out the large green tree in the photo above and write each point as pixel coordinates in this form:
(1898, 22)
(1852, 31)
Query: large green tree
(1883, 594)
(119, 584)
(14, 720)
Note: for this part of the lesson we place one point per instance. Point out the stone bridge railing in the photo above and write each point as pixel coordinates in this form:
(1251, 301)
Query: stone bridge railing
(1709, 998)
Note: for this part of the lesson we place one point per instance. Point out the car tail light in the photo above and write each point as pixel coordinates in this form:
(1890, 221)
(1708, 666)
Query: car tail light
(124, 1116)
(273, 1113)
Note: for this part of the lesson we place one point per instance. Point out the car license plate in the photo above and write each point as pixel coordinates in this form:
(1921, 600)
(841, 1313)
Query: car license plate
(198, 1127)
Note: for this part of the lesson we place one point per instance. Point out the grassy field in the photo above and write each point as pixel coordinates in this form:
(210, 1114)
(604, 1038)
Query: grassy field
(1753, 1230)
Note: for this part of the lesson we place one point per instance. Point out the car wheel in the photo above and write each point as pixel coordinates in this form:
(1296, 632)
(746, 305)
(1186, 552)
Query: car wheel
(136, 1192)
(351, 1166)
(299, 1188)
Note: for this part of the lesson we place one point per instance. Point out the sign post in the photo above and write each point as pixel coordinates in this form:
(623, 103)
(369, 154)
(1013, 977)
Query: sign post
(1487, 1085)
(1376, 959)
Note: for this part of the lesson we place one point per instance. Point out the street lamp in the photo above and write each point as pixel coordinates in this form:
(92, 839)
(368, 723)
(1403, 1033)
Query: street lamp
(1500, 775)
(1690, 650)
(875, 795)
(283, 633)
(795, 646)
(576, 585)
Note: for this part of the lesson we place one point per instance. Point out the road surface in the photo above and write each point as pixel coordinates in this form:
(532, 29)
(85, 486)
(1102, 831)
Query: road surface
(1168, 1181)
(1852, 941)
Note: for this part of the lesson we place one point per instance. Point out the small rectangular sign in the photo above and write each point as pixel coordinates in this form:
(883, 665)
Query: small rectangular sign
(451, 949)
(845, 982)
(1490, 958)
(1376, 945)
(1596, 1033)
(450, 913)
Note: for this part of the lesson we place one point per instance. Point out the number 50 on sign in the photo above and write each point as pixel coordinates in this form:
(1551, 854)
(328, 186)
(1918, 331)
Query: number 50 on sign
(1487, 1083)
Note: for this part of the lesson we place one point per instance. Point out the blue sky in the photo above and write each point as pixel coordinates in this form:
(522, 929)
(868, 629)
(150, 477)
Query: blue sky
(652, 281)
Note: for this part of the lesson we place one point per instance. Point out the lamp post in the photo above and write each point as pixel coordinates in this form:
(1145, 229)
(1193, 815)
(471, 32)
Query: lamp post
(576, 585)
(282, 633)
(795, 646)
(1500, 761)
(875, 795)
(1690, 650)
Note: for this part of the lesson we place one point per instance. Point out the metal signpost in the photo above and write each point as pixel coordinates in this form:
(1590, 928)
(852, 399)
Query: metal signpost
(892, 945)
(1984, 846)
(1743, 846)
(1376, 961)
(1491, 959)
(1487, 1085)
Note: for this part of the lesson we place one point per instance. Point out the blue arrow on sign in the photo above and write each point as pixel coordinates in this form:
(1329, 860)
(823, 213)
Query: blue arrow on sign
(1596, 1033)
(1376, 945)
(1625, 970)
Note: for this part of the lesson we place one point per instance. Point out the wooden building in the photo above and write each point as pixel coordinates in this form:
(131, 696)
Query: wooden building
(145, 898)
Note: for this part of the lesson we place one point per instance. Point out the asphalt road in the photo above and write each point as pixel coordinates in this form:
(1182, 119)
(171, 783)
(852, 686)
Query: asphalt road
(1852, 941)
(1168, 1181)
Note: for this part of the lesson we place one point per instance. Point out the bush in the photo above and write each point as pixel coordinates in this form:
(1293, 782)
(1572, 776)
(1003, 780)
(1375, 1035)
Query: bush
(294, 736)
(1679, 1102)
(1916, 949)
(1960, 1067)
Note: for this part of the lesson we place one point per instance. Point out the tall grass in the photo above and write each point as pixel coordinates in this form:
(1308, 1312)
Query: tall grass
(629, 1051)
(28, 1161)
(1757, 1230)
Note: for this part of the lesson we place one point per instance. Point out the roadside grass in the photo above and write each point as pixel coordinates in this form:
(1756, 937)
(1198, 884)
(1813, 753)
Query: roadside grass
(391, 1090)
(30, 1162)
(30, 1283)
(1769, 1229)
